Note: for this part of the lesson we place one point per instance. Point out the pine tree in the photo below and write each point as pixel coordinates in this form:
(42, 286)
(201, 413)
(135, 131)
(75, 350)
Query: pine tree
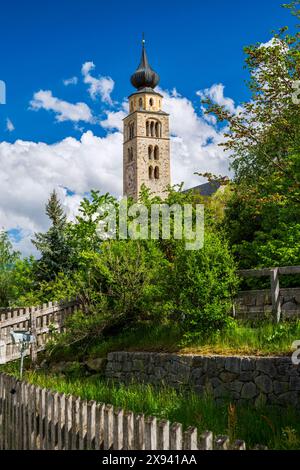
(53, 245)
(8, 258)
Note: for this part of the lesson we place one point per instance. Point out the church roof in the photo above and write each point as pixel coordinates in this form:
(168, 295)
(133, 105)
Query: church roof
(206, 189)
(144, 78)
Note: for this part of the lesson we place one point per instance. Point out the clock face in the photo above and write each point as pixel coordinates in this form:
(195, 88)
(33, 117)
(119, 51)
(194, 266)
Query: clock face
(130, 177)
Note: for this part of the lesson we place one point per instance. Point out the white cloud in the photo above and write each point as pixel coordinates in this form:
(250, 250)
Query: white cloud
(70, 81)
(216, 94)
(9, 125)
(101, 86)
(37, 168)
(114, 119)
(194, 143)
(93, 162)
(64, 111)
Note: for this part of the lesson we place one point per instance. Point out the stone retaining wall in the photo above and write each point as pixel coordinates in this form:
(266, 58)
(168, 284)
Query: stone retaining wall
(258, 303)
(243, 379)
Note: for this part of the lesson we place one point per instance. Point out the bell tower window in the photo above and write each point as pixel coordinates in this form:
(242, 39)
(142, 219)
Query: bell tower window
(156, 173)
(131, 130)
(151, 102)
(157, 129)
(130, 155)
(140, 103)
(152, 129)
(150, 152)
(150, 172)
(156, 152)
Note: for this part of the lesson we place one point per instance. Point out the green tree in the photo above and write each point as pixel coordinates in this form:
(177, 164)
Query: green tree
(8, 258)
(202, 285)
(54, 245)
(263, 136)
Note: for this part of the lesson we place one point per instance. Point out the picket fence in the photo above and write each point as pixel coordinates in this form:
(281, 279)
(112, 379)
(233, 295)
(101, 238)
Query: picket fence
(35, 418)
(40, 321)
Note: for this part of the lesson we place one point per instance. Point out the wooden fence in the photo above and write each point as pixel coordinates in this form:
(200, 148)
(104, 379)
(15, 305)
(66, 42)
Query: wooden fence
(35, 418)
(273, 273)
(40, 321)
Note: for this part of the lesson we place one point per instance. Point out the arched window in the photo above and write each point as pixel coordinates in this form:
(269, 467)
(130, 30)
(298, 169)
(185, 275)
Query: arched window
(152, 128)
(157, 129)
(131, 106)
(156, 173)
(150, 151)
(147, 128)
(131, 130)
(130, 155)
(150, 173)
(156, 152)
(141, 103)
(151, 101)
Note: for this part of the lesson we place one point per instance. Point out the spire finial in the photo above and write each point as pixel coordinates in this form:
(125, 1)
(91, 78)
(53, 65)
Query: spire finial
(144, 77)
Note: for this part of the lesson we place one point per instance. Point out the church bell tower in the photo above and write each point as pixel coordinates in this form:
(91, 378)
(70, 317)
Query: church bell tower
(146, 149)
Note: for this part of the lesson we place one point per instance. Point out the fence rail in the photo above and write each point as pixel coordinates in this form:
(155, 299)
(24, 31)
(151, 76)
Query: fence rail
(40, 321)
(35, 418)
(273, 273)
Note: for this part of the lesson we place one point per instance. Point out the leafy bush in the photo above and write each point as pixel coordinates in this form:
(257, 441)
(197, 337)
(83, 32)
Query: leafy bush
(203, 284)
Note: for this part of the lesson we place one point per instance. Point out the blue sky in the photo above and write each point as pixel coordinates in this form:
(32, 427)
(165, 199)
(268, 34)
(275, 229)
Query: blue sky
(192, 44)
(68, 135)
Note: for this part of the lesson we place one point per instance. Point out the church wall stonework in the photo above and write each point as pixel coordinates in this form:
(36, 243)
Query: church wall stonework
(256, 380)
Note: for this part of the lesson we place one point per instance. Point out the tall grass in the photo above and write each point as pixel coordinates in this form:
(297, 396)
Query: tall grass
(274, 427)
(263, 339)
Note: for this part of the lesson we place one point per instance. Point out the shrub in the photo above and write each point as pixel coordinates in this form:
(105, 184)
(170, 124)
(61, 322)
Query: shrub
(202, 285)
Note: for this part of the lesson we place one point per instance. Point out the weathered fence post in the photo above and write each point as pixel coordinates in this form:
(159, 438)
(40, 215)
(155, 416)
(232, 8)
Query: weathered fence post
(163, 435)
(275, 294)
(68, 422)
(222, 443)
(190, 439)
(239, 445)
(176, 437)
(99, 437)
(118, 429)
(128, 431)
(91, 425)
(139, 432)
(108, 426)
(33, 349)
(206, 441)
(82, 424)
(150, 433)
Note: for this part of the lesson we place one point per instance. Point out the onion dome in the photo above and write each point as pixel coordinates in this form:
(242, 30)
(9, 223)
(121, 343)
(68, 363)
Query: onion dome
(144, 76)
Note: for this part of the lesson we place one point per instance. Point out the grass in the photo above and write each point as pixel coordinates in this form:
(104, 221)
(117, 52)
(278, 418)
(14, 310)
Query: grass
(265, 339)
(266, 426)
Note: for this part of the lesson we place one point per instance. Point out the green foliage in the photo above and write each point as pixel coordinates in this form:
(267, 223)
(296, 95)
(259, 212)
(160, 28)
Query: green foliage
(203, 284)
(121, 283)
(8, 258)
(54, 246)
(262, 216)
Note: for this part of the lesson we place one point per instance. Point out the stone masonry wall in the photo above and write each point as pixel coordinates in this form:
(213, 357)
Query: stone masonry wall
(258, 303)
(243, 379)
